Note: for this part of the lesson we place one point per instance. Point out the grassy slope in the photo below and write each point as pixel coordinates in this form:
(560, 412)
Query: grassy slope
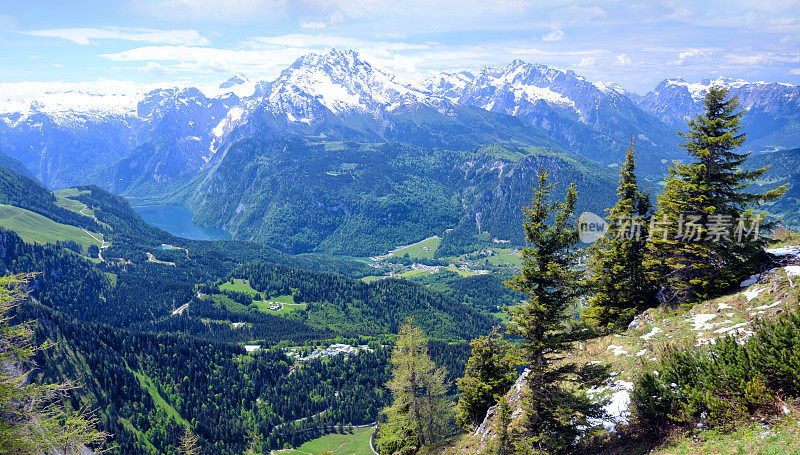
(338, 444)
(782, 438)
(148, 384)
(635, 350)
(243, 286)
(33, 227)
(423, 249)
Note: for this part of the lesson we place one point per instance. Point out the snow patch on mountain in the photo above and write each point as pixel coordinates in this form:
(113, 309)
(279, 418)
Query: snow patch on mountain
(698, 90)
(342, 82)
(610, 87)
(69, 103)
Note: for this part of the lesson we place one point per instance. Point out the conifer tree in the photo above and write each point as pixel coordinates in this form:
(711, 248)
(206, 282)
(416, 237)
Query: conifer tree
(551, 284)
(488, 375)
(708, 237)
(504, 446)
(420, 408)
(32, 418)
(619, 279)
(188, 443)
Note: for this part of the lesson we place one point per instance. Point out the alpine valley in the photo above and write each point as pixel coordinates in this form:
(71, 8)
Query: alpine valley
(377, 241)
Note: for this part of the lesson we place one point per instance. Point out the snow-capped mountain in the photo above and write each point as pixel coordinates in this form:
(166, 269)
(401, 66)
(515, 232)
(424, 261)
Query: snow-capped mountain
(342, 82)
(593, 119)
(773, 109)
(342, 96)
(119, 134)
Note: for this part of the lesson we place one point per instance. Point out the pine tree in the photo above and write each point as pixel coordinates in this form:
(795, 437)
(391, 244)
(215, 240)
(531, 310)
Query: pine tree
(188, 443)
(488, 375)
(504, 446)
(32, 418)
(420, 408)
(693, 255)
(551, 283)
(622, 285)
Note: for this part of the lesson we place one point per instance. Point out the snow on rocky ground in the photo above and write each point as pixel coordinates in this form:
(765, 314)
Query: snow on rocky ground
(637, 349)
(762, 295)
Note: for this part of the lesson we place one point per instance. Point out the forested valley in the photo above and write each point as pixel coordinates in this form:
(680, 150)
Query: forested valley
(136, 341)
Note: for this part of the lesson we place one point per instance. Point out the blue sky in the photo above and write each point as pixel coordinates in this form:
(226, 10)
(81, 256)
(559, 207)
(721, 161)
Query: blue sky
(634, 43)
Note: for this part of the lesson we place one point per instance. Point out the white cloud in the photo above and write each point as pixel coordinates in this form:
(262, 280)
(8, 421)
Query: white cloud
(265, 57)
(581, 14)
(795, 71)
(690, 56)
(356, 9)
(7, 22)
(622, 60)
(104, 95)
(204, 60)
(587, 62)
(325, 42)
(313, 25)
(209, 9)
(556, 34)
(86, 35)
(155, 69)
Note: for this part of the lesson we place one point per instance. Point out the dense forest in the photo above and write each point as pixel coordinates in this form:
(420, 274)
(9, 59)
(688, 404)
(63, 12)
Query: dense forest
(148, 373)
(232, 345)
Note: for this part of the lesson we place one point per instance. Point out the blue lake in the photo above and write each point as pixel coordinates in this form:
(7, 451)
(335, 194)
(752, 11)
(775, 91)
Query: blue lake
(177, 220)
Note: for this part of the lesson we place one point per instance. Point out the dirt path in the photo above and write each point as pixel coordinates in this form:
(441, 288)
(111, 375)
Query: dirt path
(151, 258)
(103, 243)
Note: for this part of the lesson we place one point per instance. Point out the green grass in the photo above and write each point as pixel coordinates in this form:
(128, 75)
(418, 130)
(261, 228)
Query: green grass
(414, 273)
(507, 256)
(263, 306)
(753, 439)
(453, 268)
(283, 299)
(36, 228)
(239, 285)
(339, 444)
(424, 249)
(71, 204)
(371, 278)
(139, 435)
(147, 383)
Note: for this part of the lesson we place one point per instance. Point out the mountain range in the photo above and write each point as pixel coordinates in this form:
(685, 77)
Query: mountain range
(323, 157)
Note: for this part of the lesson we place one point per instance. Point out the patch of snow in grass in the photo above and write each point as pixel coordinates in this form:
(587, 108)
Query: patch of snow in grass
(618, 406)
(753, 292)
(724, 306)
(792, 270)
(766, 307)
(653, 332)
(733, 327)
(701, 321)
(617, 350)
(705, 341)
(785, 251)
(641, 353)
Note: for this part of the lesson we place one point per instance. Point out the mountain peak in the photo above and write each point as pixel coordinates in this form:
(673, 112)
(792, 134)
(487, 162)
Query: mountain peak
(236, 79)
(341, 81)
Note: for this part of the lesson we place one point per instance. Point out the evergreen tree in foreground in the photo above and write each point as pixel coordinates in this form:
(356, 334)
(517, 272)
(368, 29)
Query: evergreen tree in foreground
(708, 237)
(553, 412)
(488, 375)
(32, 419)
(189, 443)
(420, 409)
(619, 279)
